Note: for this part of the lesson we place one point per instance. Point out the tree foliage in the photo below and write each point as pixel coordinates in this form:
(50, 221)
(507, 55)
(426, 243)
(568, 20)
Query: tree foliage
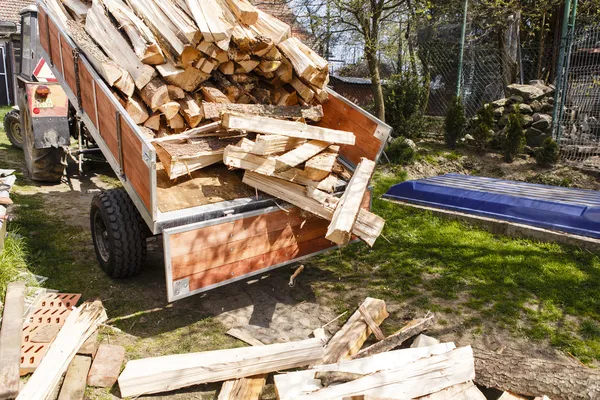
(515, 136)
(454, 126)
(405, 100)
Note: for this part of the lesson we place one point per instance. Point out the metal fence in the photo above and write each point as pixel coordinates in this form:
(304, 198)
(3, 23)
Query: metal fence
(577, 109)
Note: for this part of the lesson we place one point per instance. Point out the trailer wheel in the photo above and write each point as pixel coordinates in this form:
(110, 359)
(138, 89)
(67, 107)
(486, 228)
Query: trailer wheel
(43, 165)
(119, 234)
(12, 127)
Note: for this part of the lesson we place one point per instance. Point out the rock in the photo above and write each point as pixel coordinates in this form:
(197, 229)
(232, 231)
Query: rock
(527, 120)
(529, 150)
(536, 82)
(106, 366)
(529, 92)
(542, 122)
(536, 105)
(547, 107)
(499, 103)
(540, 116)
(468, 137)
(535, 137)
(424, 341)
(410, 144)
(525, 109)
(515, 99)
(498, 112)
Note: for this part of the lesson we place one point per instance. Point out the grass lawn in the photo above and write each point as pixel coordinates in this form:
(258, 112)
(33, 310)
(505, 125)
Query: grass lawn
(545, 293)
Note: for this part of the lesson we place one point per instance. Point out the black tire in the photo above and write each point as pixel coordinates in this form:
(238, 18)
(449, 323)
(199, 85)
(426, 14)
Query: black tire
(119, 234)
(43, 165)
(12, 127)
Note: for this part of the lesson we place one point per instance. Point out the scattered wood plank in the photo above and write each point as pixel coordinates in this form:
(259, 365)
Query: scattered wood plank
(292, 384)
(253, 123)
(10, 340)
(350, 338)
(158, 374)
(204, 130)
(313, 113)
(80, 324)
(300, 154)
(106, 366)
(372, 324)
(73, 387)
(238, 157)
(419, 378)
(244, 336)
(272, 144)
(99, 26)
(462, 391)
(409, 330)
(346, 211)
(535, 377)
(320, 166)
(249, 388)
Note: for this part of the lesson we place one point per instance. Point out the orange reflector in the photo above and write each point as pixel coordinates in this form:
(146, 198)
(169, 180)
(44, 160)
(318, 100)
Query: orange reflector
(42, 91)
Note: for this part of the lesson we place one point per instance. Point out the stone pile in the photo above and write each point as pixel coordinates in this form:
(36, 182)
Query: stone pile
(536, 103)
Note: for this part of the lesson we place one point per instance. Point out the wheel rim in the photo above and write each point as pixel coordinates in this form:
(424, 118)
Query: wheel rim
(101, 237)
(15, 130)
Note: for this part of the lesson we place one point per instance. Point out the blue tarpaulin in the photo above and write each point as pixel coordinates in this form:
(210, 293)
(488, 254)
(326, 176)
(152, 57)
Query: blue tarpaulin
(569, 210)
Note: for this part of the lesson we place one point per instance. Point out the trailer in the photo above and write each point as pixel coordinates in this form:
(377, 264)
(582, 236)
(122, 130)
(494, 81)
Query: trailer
(215, 229)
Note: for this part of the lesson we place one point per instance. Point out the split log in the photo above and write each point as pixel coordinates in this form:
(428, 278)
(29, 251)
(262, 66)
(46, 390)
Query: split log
(272, 144)
(462, 391)
(301, 154)
(155, 93)
(309, 66)
(411, 329)
(535, 377)
(177, 123)
(419, 378)
(187, 79)
(305, 92)
(79, 325)
(250, 41)
(175, 92)
(227, 68)
(292, 384)
(320, 166)
(268, 26)
(214, 95)
(350, 338)
(274, 126)
(158, 374)
(243, 389)
(141, 37)
(10, 340)
(313, 113)
(100, 27)
(212, 19)
(186, 28)
(169, 109)
(78, 9)
(153, 122)
(137, 110)
(346, 211)
(372, 324)
(191, 111)
(244, 11)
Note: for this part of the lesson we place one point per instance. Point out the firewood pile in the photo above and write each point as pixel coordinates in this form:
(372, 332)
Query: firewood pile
(220, 81)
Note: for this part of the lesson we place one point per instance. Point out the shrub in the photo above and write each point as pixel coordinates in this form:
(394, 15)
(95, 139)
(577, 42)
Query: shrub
(548, 154)
(515, 136)
(455, 123)
(400, 152)
(405, 99)
(483, 125)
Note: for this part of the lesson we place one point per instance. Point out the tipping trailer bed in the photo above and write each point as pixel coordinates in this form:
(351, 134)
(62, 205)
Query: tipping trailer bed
(215, 230)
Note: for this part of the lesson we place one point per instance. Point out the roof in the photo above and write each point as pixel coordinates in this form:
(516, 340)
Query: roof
(10, 9)
(355, 81)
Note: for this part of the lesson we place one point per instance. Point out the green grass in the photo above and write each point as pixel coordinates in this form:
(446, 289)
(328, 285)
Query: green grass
(538, 290)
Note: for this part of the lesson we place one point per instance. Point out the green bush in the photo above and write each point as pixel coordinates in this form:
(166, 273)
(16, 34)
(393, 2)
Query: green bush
(405, 99)
(548, 154)
(483, 125)
(454, 126)
(515, 136)
(399, 152)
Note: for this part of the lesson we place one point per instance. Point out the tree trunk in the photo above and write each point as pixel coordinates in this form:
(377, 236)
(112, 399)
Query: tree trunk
(535, 377)
(371, 56)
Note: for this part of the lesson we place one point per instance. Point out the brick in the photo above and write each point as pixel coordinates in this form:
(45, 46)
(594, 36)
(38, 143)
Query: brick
(106, 366)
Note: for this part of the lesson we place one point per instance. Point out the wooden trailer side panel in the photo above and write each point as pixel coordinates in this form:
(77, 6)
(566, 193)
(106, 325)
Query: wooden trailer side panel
(134, 167)
(371, 134)
(43, 25)
(203, 256)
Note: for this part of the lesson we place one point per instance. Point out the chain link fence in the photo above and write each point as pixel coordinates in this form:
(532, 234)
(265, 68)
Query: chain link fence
(577, 111)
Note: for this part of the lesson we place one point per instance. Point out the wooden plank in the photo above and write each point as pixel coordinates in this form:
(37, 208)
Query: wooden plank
(73, 387)
(10, 340)
(80, 324)
(107, 123)
(419, 378)
(42, 24)
(321, 165)
(313, 113)
(300, 154)
(462, 391)
(347, 209)
(237, 157)
(292, 384)
(106, 366)
(243, 389)
(158, 374)
(272, 144)
(274, 126)
(68, 65)
(372, 324)
(350, 338)
(244, 336)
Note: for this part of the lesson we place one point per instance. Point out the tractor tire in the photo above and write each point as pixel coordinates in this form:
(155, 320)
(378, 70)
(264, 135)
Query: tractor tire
(43, 165)
(12, 127)
(119, 234)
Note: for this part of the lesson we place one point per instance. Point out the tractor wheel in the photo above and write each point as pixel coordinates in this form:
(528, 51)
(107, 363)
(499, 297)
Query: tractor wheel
(119, 234)
(12, 127)
(43, 165)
